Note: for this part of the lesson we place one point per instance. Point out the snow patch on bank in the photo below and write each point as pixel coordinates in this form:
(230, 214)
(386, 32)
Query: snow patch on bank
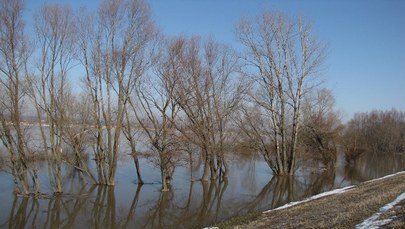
(332, 192)
(372, 221)
(381, 178)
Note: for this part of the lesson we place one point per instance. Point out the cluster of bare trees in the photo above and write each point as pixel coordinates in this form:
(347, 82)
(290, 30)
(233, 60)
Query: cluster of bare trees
(207, 88)
(113, 52)
(184, 95)
(111, 46)
(377, 132)
(283, 59)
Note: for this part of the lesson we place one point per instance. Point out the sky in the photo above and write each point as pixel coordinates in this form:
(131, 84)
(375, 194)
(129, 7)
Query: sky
(365, 65)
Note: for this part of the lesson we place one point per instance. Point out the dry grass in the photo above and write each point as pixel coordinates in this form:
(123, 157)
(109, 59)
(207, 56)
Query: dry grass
(397, 214)
(343, 210)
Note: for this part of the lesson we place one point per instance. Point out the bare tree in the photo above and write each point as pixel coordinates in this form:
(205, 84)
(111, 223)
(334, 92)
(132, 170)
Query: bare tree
(156, 112)
(14, 53)
(321, 127)
(208, 90)
(113, 53)
(354, 138)
(282, 58)
(50, 91)
(385, 131)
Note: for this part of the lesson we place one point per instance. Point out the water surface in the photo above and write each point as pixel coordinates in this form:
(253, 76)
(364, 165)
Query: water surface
(250, 187)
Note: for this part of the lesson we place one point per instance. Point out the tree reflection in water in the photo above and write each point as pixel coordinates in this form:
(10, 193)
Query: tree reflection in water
(190, 205)
(52, 212)
(371, 166)
(96, 208)
(23, 213)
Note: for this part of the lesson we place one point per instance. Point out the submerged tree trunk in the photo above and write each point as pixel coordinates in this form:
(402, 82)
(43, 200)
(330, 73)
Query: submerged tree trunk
(129, 132)
(207, 169)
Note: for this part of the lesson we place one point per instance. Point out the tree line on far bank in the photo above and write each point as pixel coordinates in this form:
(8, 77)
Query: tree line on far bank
(189, 97)
(375, 132)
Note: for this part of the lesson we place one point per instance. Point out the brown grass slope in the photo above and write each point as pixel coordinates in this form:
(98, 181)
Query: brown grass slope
(343, 210)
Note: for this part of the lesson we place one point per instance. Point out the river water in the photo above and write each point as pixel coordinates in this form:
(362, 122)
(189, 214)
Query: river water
(249, 188)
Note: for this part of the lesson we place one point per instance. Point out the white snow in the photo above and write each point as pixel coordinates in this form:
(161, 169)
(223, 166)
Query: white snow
(332, 192)
(391, 175)
(372, 221)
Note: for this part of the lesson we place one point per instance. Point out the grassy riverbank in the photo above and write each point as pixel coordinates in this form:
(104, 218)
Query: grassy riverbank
(343, 209)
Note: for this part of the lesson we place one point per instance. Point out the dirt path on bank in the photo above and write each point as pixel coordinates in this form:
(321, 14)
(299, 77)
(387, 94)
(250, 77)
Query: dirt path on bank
(343, 209)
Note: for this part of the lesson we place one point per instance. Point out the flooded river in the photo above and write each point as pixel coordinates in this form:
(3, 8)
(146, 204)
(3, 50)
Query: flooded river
(249, 188)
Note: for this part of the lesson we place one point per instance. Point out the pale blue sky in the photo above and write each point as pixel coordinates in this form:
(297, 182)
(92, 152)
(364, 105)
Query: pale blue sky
(365, 67)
